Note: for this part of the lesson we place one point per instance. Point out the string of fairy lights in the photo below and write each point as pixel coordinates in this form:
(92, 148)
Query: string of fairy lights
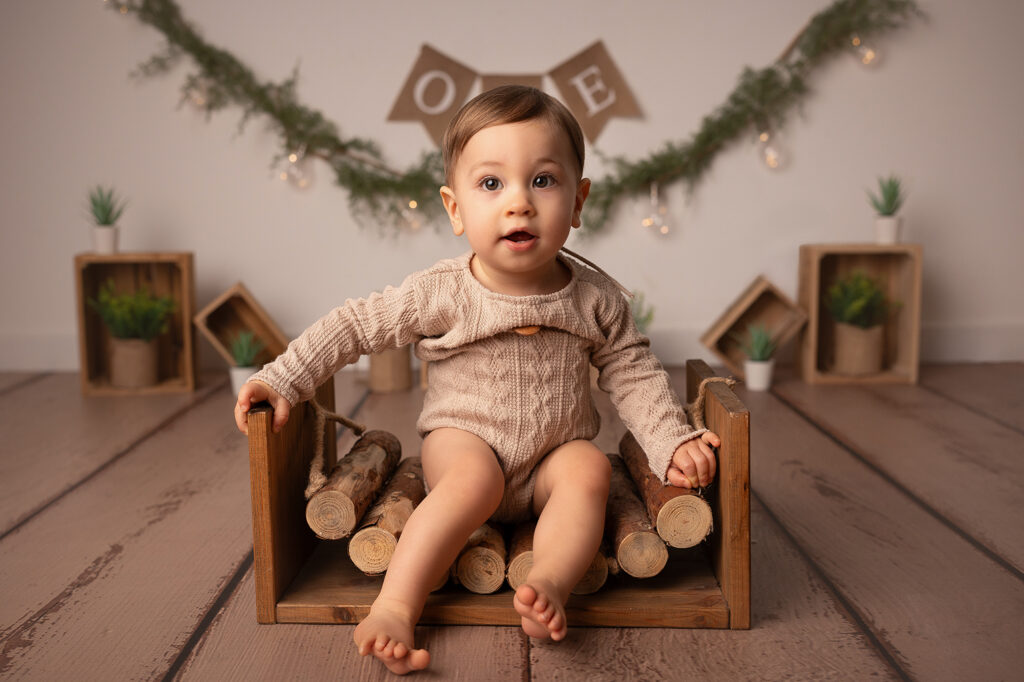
(407, 199)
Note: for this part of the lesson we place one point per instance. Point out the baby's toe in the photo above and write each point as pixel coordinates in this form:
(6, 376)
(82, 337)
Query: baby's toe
(419, 659)
(400, 650)
(556, 625)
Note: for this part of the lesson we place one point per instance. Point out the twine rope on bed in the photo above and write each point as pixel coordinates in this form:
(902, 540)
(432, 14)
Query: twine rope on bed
(317, 475)
(695, 410)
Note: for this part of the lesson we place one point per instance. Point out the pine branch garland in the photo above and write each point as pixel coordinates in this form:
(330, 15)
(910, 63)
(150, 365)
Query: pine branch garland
(761, 100)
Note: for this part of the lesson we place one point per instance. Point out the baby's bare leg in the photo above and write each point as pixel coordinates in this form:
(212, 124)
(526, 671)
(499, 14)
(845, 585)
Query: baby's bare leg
(570, 500)
(466, 485)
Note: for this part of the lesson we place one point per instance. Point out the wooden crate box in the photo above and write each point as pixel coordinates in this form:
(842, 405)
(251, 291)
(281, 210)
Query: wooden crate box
(236, 311)
(163, 274)
(761, 303)
(897, 267)
(302, 580)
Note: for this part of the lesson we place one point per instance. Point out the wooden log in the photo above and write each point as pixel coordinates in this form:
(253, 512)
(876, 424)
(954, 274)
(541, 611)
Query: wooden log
(373, 544)
(681, 517)
(336, 508)
(480, 567)
(520, 554)
(637, 548)
(596, 575)
(521, 561)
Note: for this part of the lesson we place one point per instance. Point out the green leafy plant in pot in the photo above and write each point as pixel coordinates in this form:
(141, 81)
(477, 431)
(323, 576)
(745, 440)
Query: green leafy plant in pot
(105, 209)
(887, 203)
(860, 308)
(245, 349)
(759, 347)
(134, 321)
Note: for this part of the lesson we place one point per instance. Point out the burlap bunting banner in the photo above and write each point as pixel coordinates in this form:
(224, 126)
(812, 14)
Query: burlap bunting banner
(590, 84)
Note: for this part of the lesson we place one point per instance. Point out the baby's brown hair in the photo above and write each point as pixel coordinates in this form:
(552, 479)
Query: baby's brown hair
(507, 104)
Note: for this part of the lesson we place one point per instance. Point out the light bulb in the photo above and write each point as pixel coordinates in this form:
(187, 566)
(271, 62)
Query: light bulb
(297, 172)
(771, 150)
(658, 217)
(866, 54)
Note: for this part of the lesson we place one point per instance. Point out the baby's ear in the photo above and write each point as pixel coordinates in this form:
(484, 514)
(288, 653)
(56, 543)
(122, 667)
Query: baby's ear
(582, 192)
(451, 207)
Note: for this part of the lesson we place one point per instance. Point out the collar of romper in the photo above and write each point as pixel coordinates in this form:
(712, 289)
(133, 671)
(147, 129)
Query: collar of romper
(533, 329)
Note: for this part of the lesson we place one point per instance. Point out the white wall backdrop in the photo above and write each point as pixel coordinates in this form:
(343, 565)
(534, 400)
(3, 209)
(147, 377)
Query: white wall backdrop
(943, 110)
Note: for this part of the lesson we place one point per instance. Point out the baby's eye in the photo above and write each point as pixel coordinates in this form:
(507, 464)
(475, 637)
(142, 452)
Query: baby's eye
(490, 184)
(542, 181)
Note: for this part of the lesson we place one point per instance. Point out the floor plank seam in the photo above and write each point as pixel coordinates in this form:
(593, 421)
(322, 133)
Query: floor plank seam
(207, 620)
(527, 675)
(929, 509)
(883, 648)
(353, 412)
(25, 382)
(107, 464)
(971, 408)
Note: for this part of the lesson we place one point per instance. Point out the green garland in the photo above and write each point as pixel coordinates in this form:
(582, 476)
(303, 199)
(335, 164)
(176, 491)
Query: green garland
(760, 100)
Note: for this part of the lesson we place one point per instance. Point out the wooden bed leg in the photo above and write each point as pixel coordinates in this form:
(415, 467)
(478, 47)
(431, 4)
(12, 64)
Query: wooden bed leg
(730, 543)
(278, 473)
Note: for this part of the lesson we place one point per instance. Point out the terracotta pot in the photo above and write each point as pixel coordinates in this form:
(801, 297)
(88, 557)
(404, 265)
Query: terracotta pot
(104, 239)
(133, 363)
(757, 374)
(887, 229)
(858, 351)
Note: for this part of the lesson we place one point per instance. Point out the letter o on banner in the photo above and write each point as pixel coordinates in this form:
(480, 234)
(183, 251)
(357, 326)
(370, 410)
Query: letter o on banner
(435, 88)
(447, 97)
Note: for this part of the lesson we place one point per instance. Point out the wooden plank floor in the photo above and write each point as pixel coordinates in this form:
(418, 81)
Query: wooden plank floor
(886, 526)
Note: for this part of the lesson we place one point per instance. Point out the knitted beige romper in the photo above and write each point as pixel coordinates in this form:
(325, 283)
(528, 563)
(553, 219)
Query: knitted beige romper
(523, 395)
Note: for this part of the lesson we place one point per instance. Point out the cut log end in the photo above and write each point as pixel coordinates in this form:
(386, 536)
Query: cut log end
(371, 549)
(642, 554)
(518, 568)
(481, 570)
(685, 521)
(331, 515)
(595, 577)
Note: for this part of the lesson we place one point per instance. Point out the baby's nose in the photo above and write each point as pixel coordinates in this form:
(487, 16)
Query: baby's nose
(519, 203)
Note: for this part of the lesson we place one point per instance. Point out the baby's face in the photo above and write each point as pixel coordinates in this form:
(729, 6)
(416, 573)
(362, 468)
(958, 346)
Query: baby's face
(516, 196)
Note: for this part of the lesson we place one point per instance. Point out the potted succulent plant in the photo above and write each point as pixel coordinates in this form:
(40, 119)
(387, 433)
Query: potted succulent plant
(887, 204)
(759, 347)
(245, 348)
(105, 210)
(134, 321)
(860, 308)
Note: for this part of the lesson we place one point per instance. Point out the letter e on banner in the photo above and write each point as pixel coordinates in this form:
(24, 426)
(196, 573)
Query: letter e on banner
(593, 87)
(433, 92)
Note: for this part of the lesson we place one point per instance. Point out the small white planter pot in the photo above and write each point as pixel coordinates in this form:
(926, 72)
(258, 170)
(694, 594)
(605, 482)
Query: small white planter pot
(757, 374)
(887, 229)
(104, 239)
(239, 375)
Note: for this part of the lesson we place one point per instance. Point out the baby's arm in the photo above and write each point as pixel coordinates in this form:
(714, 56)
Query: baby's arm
(645, 400)
(384, 320)
(693, 463)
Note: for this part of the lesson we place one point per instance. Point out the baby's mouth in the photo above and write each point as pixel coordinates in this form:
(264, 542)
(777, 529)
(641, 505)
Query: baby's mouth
(519, 236)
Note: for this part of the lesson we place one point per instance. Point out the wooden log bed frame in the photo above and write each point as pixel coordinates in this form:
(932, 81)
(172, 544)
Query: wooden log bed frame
(301, 579)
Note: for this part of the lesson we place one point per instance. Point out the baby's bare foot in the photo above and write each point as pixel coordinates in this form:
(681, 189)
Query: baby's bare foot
(542, 611)
(387, 633)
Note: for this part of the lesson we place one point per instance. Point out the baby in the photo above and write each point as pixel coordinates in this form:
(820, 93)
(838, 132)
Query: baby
(510, 330)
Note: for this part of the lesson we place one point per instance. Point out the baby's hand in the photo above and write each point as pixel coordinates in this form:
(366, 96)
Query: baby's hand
(257, 391)
(693, 463)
